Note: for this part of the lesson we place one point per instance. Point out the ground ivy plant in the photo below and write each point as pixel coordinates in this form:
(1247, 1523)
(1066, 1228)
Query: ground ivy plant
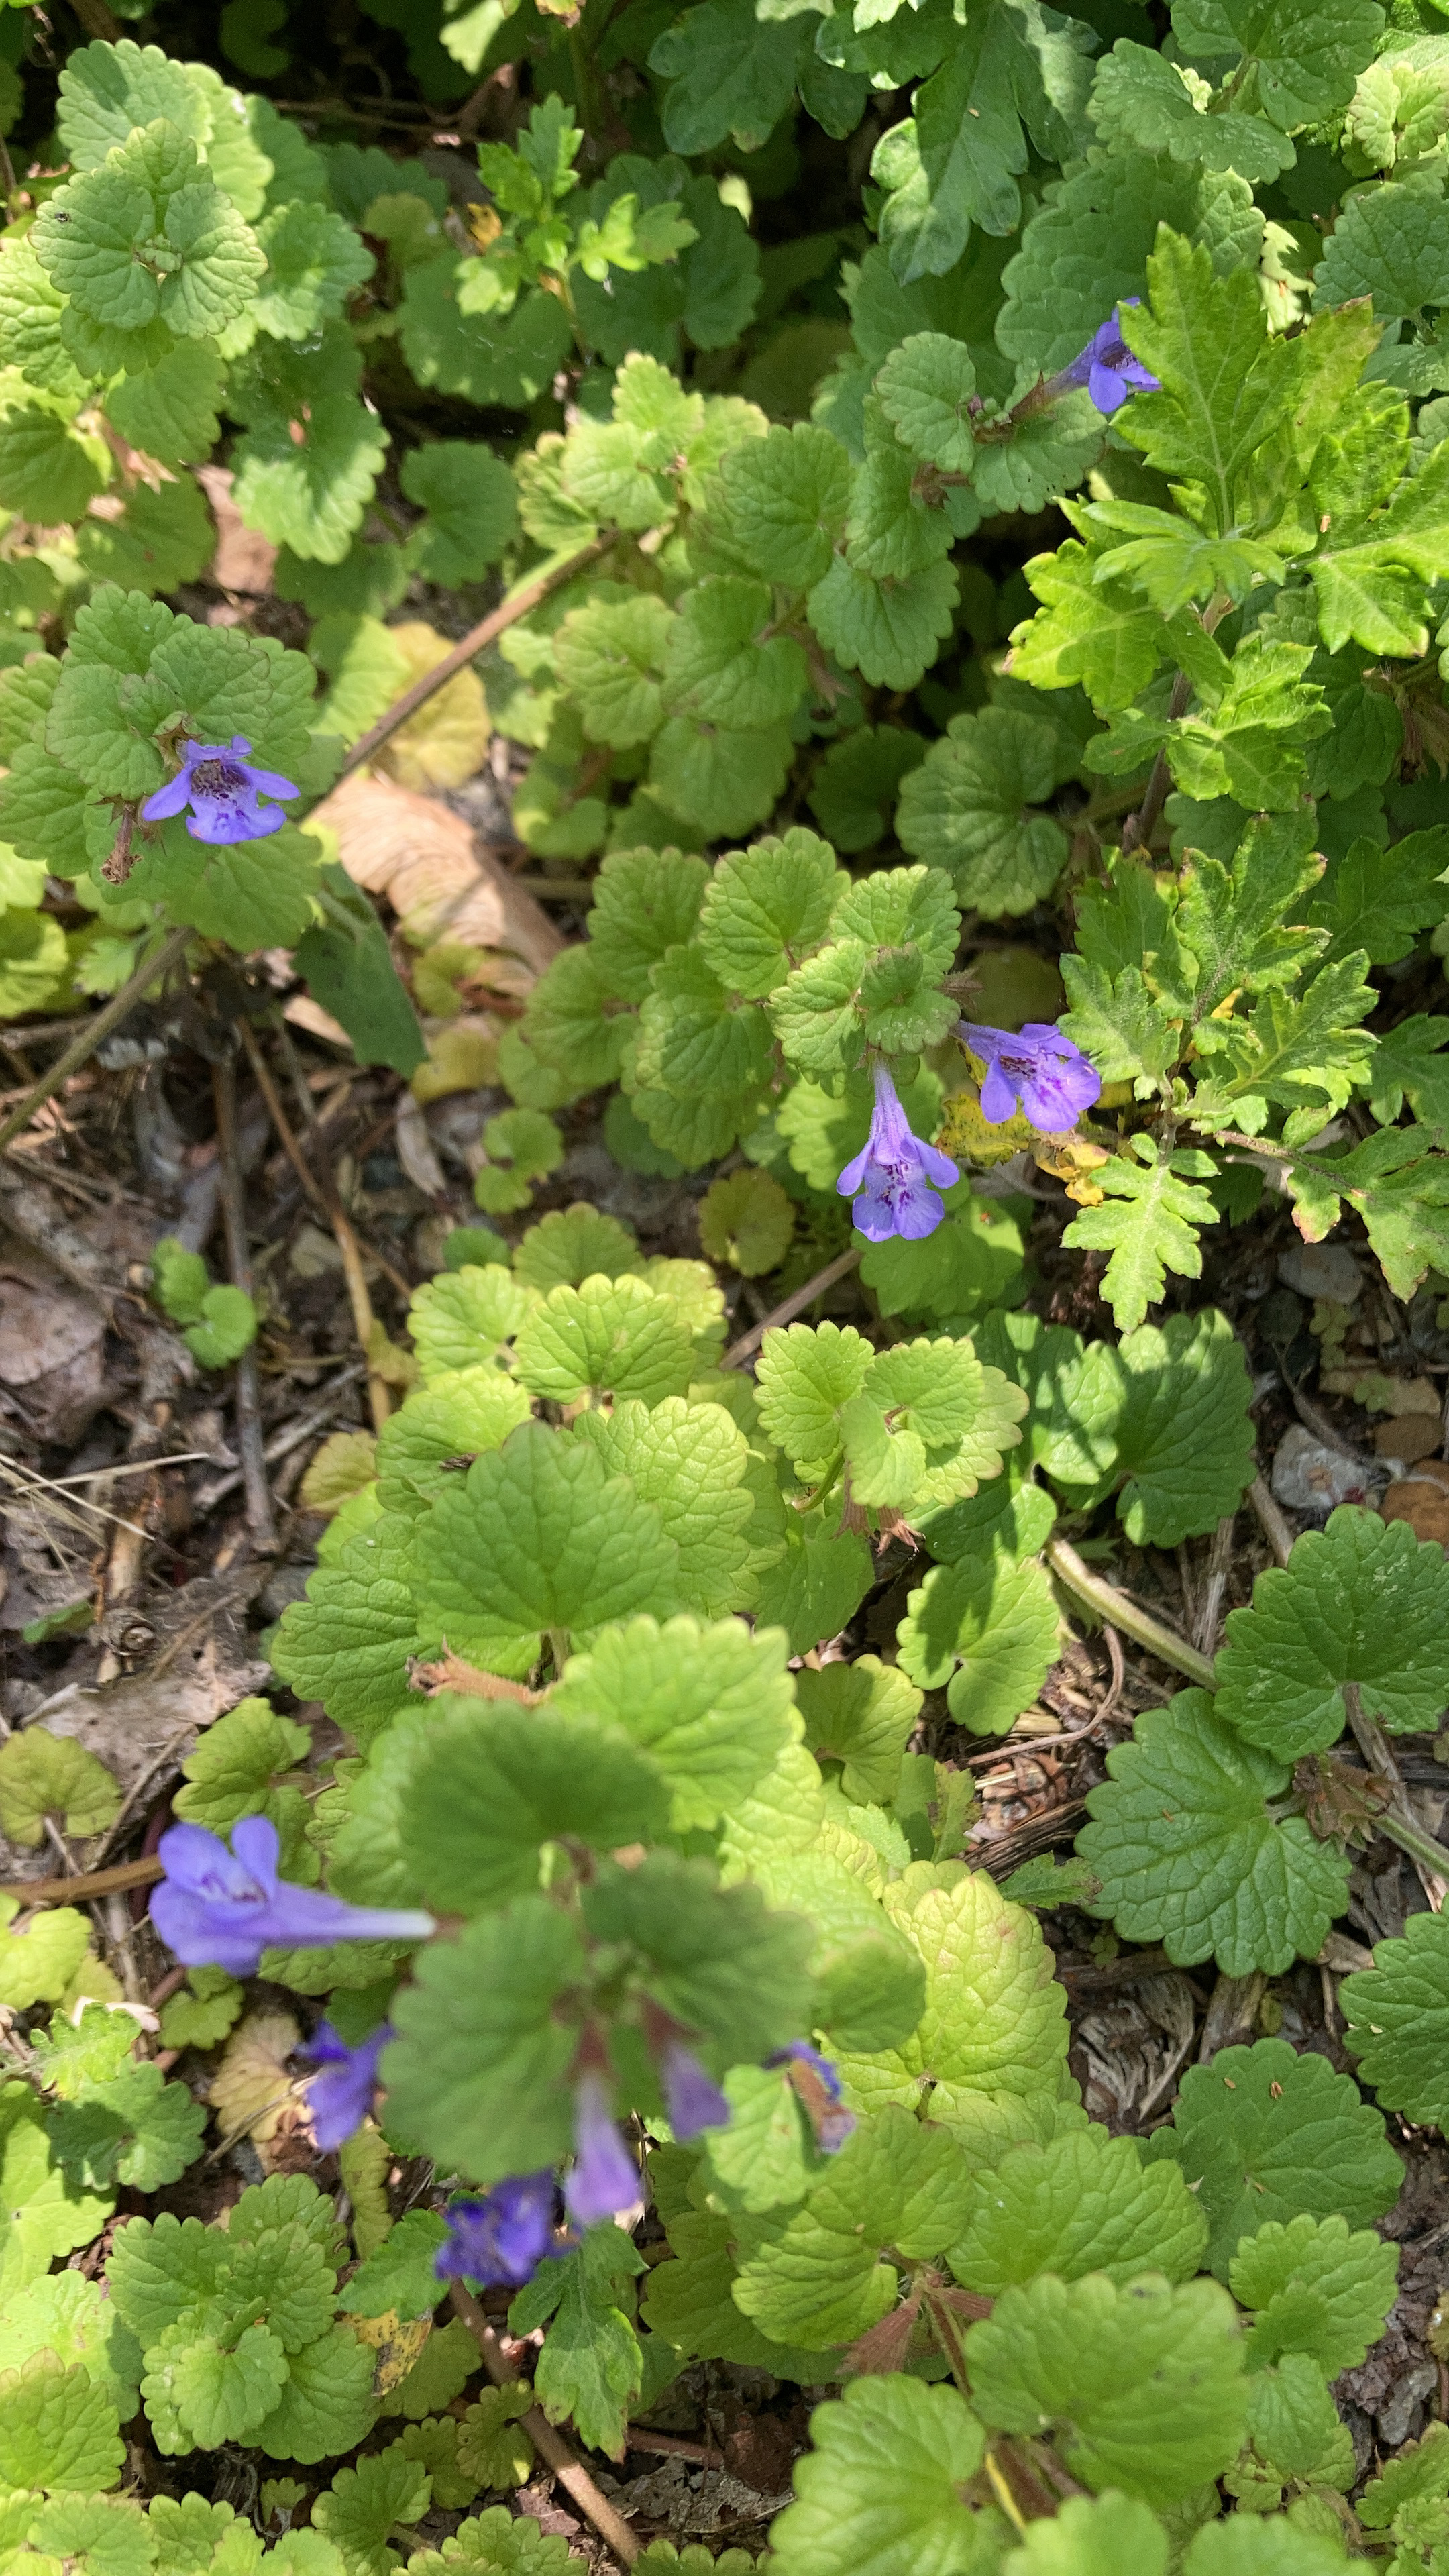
(1065, 534)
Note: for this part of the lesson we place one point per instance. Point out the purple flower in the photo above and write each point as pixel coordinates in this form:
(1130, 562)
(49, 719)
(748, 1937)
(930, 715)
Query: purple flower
(818, 2084)
(221, 1909)
(893, 1173)
(693, 2098)
(605, 2178)
(1051, 1078)
(1107, 367)
(223, 792)
(340, 2098)
(501, 2239)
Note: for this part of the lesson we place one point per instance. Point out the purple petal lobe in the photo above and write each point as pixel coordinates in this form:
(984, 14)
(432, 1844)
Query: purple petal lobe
(171, 799)
(605, 2178)
(340, 2097)
(500, 2239)
(693, 2098)
(1038, 1067)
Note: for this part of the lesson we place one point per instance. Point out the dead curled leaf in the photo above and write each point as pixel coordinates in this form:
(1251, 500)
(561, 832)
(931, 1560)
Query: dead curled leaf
(426, 860)
(252, 2088)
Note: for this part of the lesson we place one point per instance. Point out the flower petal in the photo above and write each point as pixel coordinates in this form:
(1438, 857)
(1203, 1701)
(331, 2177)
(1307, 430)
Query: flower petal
(267, 782)
(171, 799)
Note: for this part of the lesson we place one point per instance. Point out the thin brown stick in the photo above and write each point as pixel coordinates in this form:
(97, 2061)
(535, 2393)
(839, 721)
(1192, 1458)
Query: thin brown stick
(86, 1885)
(549, 2444)
(520, 603)
(329, 1207)
(1271, 1522)
(96, 1031)
(1138, 829)
(260, 1520)
(262, 1076)
(789, 1307)
(676, 2445)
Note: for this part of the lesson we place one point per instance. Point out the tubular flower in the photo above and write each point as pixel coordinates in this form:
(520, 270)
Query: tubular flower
(500, 2239)
(1037, 1066)
(893, 1174)
(605, 2177)
(1107, 367)
(224, 792)
(221, 1909)
(693, 2099)
(340, 2097)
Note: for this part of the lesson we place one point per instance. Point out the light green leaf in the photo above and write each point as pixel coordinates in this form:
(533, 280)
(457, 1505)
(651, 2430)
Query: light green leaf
(1314, 2288)
(1083, 2203)
(1307, 58)
(169, 411)
(989, 1632)
(862, 1716)
(1189, 1854)
(38, 1963)
(1141, 102)
(327, 2405)
(889, 632)
(988, 2054)
(748, 1220)
(611, 1337)
(350, 1642)
(591, 2364)
(610, 656)
(58, 2430)
(711, 1707)
(786, 496)
(1014, 67)
(817, 2276)
(314, 262)
(768, 907)
(1148, 1224)
(309, 493)
(51, 1775)
(723, 665)
(538, 1537)
(200, 2393)
(361, 2508)
(66, 2315)
(1142, 2385)
(881, 2492)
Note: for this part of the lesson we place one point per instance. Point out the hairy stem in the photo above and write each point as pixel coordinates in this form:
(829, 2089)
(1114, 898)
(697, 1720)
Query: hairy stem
(1114, 1606)
(1138, 829)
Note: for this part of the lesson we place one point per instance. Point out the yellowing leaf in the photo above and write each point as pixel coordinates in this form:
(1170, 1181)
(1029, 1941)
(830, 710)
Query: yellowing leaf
(397, 2341)
(444, 742)
(461, 1057)
(252, 2088)
(344, 1465)
(967, 1137)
